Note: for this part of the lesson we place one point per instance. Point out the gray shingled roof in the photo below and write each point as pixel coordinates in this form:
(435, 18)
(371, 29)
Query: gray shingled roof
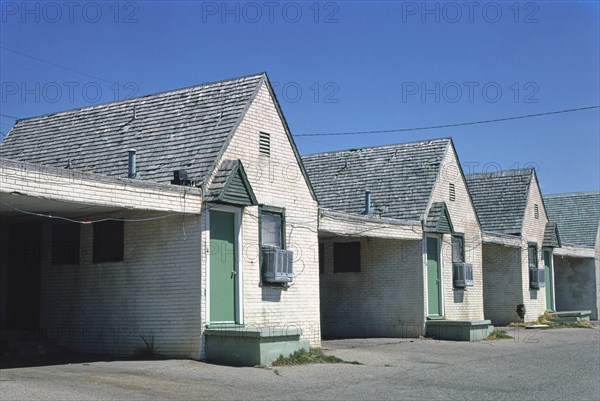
(180, 129)
(577, 216)
(400, 177)
(500, 198)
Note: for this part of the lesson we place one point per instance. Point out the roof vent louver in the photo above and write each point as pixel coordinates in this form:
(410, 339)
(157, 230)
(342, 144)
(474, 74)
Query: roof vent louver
(264, 143)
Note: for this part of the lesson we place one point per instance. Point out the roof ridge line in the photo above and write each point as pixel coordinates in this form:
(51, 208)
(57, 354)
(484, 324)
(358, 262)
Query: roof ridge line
(514, 170)
(378, 146)
(132, 99)
(565, 194)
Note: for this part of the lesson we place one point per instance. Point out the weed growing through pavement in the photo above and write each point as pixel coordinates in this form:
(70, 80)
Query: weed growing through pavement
(498, 335)
(314, 355)
(548, 323)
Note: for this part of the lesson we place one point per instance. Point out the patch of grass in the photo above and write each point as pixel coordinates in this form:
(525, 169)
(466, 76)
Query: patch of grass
(581, 324)
(498, 335)
(313, 355)
(546, 319)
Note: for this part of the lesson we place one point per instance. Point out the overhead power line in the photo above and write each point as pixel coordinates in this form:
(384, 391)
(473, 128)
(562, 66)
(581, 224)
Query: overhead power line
(7, 116)
(55, 64)
(387, 131)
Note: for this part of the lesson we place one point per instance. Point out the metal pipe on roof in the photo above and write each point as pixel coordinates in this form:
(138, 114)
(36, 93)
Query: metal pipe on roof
(131, 164)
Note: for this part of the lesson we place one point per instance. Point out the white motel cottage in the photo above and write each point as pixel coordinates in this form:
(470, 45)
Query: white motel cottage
(400, 243)
(518, 243)
(577, 262)
(185, 217)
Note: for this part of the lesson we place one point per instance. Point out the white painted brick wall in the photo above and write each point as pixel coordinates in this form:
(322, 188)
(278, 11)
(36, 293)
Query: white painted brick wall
(458, 303)
(507, 283)
(597, 271)
(502, 283)
(533, 231)
(91, 189)
(155, 291)
(276, 181)
(384, 300)
(576, 284)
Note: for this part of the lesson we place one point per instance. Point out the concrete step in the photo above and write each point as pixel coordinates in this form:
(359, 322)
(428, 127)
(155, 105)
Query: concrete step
(458, 330)
(570, 316)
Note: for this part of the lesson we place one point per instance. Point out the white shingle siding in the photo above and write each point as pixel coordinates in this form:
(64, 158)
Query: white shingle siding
(106, 307)
(277, 181)
(458, 303)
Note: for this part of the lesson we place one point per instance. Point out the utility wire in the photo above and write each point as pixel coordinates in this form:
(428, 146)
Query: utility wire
(450, 125)
(41, 60)
(8, 116)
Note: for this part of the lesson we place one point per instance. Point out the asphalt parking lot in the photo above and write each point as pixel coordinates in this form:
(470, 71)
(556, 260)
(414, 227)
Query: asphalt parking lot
(549, 364)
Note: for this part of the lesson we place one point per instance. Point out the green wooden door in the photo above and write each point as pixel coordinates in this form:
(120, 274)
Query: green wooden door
(549, 280)
(433, 278)
(222, 267)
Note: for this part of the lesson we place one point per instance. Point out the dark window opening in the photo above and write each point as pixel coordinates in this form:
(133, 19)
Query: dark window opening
(272, 228)
(458, 248)
(108, 241)
(532, 256)
(321, 258)
(65, 244)
(346, 257)
(536, 211)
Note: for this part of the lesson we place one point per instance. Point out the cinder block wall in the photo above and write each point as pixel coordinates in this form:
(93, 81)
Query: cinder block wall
(384, 300)
(576, 284)
(502, 283)
(277, 181)
(459, 303)
(155, 291)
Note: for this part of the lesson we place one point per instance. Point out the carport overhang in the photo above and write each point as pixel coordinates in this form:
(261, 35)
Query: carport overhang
(33, 189)
(507, 240)
(574, 251)
(336, 224)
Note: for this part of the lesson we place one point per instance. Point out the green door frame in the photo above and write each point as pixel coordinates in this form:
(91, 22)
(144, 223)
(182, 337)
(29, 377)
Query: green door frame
(237, 276)
(437, 298)
(549, 275)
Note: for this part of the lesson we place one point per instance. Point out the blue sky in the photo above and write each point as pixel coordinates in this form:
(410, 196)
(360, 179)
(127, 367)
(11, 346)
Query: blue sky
(337, 67)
